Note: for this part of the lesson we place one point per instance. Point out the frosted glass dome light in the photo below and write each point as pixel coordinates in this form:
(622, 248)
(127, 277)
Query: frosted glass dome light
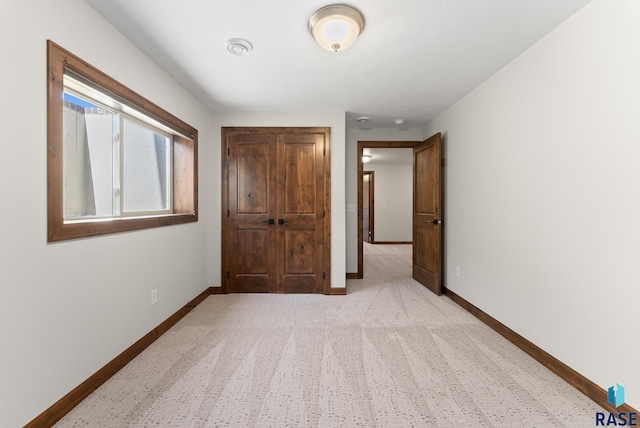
(336, 27)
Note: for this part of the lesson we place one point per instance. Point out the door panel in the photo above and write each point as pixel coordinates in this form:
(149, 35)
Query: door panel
(275, 227)
(299, 248)
(253, 177)
(300, 189)
(301, 209)
(427, 215)
(252, 172)
(252, 264)
(251, 245)
(425, 193)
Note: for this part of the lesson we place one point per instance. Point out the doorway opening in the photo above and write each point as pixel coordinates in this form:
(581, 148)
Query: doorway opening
(365, 147)
(427, 208)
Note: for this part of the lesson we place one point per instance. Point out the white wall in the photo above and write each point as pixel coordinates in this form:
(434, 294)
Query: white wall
(542, 201)
(351, 176)
(334, 120)
(68, 308)
(393, 202)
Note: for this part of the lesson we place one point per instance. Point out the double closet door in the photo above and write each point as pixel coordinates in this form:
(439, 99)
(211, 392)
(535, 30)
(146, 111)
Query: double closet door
(275, 194)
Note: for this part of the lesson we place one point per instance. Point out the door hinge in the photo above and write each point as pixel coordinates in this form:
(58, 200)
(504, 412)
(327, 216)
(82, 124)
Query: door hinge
(228, 151)
(323, 214)
(228, 213)
(324, 151)
(228, 275)
(324, 275)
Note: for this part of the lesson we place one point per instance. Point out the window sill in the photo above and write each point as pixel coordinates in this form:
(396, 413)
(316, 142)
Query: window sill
(75, 229)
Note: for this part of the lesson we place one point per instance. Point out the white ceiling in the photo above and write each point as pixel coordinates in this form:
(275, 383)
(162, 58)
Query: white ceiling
(414, 58)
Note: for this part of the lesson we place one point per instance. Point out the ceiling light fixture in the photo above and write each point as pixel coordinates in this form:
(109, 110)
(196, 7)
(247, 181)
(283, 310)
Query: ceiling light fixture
(336, 27)
(363, 119)
(366, 158)
(399, 122)
(240, 47)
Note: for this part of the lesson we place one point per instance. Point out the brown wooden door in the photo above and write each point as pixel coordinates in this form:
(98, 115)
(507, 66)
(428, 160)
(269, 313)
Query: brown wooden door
(252, 163)
(274, 232)
(427, 213)
(300, 210)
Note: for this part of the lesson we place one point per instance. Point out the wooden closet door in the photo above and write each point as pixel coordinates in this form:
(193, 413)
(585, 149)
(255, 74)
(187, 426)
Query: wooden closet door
(276, 202)
(251, 225)
(300, 212)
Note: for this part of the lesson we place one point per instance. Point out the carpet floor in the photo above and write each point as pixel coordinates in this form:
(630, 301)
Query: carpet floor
(388, 354)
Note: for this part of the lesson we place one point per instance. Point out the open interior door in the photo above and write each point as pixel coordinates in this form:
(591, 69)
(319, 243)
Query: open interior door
(427, 213)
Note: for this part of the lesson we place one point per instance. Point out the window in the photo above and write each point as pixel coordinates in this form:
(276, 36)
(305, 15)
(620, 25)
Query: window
(116, 162)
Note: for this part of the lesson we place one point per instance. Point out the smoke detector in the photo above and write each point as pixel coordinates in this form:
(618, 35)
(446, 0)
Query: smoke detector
(240, 47)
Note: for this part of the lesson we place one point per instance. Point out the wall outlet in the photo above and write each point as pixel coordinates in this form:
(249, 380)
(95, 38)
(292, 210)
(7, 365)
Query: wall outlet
(457, 271)
(154, 296)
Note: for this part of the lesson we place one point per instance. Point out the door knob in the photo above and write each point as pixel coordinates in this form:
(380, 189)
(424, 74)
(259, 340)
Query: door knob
(281, 221)
(270, 221)
(436, 221)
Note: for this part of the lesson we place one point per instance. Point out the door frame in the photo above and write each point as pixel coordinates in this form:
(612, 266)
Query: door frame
(371, 145)
(371, 195)
(225, 230)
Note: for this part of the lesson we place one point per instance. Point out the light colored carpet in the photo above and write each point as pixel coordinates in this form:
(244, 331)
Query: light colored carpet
(389, 354)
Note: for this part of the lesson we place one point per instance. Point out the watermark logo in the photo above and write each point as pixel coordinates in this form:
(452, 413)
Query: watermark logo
(616, 395)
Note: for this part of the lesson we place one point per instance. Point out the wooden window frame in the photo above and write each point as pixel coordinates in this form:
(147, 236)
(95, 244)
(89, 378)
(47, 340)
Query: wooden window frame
(185, 154)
